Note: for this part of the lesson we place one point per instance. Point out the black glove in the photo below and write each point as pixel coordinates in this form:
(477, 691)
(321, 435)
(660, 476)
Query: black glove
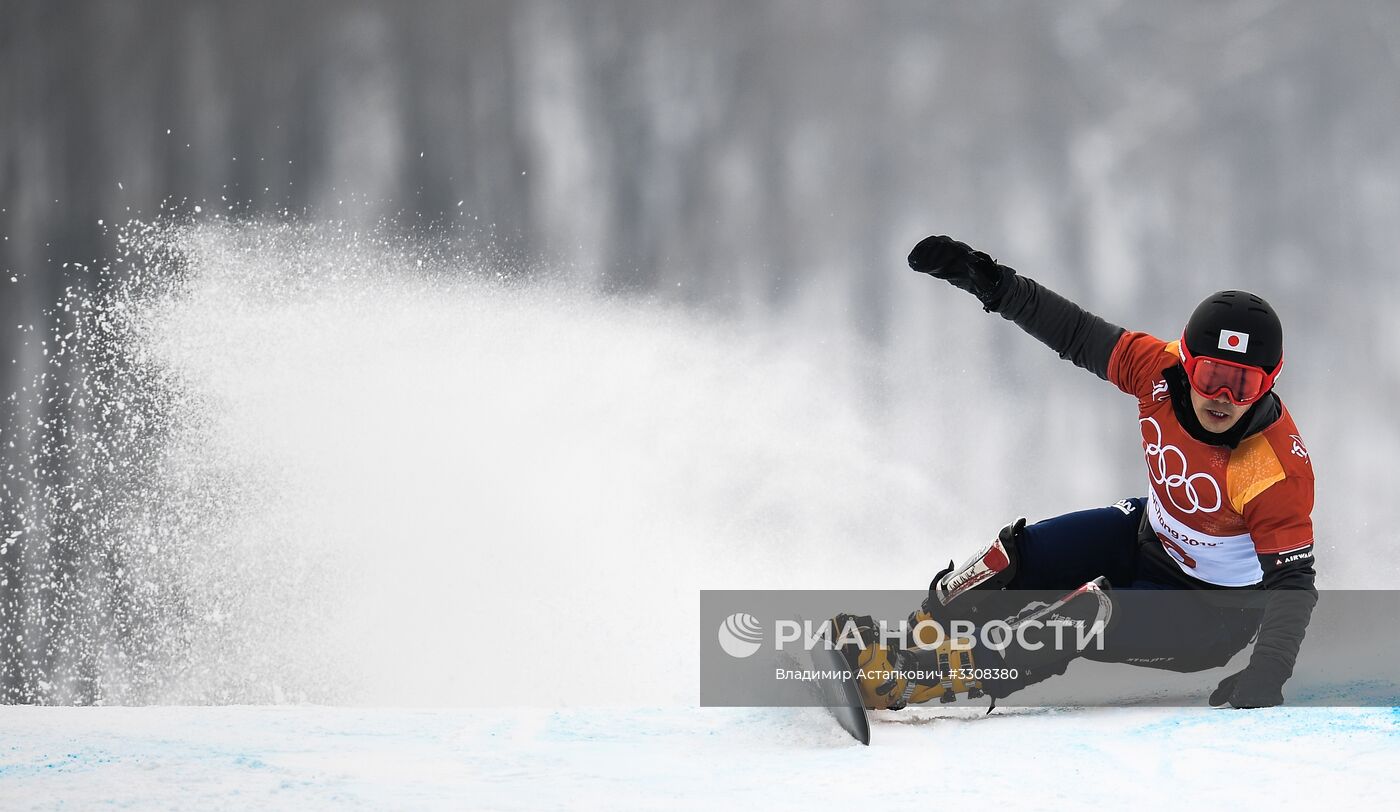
(1253, 687)
(973, 271)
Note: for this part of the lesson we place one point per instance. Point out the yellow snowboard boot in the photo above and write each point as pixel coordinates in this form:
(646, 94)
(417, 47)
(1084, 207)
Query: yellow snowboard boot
(892, 672)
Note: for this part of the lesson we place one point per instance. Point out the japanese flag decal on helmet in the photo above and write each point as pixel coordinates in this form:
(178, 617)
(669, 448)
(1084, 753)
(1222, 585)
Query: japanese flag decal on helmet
(1232, 341)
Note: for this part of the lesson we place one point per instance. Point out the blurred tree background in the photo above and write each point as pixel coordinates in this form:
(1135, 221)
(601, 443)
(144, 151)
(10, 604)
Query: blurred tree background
(736, 156)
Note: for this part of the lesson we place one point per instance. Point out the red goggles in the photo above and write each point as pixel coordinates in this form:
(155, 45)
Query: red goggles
(1211, 377)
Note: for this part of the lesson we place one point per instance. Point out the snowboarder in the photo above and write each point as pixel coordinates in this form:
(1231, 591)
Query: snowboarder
(1226, 518)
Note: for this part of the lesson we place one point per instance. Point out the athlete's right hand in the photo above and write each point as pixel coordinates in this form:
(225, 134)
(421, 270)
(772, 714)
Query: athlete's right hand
(956, 262)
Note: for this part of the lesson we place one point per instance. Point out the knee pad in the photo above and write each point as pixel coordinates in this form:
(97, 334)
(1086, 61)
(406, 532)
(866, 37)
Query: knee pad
(990, 568)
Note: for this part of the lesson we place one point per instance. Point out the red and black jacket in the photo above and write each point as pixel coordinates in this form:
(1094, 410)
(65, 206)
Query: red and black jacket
(1226, 511)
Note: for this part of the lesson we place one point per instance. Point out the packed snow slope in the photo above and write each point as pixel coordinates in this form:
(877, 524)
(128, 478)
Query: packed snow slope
(336, 758)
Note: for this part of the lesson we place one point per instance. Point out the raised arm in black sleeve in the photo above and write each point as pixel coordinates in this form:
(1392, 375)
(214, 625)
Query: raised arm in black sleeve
(1076, 334)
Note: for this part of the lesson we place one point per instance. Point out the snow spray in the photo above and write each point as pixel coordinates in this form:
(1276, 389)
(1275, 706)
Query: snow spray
(344, 466)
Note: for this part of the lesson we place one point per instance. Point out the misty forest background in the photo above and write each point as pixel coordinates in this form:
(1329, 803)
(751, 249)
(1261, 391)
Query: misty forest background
(732, 157)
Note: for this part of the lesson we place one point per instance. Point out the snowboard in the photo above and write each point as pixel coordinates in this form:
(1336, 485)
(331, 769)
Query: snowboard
(841, 696)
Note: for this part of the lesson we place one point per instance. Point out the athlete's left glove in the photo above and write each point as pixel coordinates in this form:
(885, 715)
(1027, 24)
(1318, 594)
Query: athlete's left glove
(967, 269)
(1254, 687)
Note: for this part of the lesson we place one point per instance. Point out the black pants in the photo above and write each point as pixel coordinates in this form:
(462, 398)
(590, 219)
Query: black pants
(1161, 618)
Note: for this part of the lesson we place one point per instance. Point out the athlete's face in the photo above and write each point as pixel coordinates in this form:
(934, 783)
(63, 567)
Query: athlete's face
(1216, 416)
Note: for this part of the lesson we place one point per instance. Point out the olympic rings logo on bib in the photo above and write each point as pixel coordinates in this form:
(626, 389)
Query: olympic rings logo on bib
(1166, 464)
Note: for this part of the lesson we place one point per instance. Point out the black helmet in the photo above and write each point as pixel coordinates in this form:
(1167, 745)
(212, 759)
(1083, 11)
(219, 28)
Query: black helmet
(1237, 326)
